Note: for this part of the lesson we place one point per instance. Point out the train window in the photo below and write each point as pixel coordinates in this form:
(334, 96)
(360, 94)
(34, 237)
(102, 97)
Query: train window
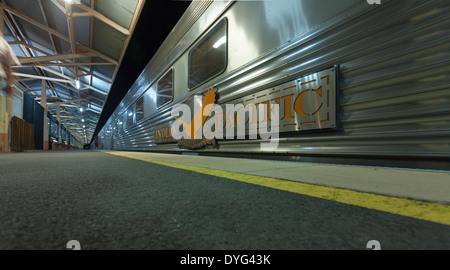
(209, 57)
(130, 116)
(165, 89)
(120, 124)
(139, 109)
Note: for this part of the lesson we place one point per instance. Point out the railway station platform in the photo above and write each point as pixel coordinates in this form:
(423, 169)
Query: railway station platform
(116, 200)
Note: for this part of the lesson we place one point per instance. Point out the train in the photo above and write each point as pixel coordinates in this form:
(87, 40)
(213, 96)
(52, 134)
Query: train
(352, 81)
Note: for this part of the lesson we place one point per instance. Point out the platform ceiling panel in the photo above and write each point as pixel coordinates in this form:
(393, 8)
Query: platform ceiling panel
(62, 42)
(108, 40)
(121, 10)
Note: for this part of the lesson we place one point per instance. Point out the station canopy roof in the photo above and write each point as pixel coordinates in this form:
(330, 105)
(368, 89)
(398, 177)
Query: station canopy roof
(73, 50)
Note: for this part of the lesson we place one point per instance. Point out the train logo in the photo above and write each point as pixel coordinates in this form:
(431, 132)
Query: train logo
(306, 103)
(210, 122)
(193, 126)
(191, 136)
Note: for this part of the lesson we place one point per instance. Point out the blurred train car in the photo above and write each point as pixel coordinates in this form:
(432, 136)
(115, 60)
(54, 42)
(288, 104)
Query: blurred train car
(356, 83)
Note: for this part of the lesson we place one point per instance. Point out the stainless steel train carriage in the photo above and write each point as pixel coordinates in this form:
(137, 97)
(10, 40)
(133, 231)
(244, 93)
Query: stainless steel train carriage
(356, 83)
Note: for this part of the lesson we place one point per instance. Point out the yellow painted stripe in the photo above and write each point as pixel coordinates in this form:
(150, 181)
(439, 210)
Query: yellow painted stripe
(435, 212)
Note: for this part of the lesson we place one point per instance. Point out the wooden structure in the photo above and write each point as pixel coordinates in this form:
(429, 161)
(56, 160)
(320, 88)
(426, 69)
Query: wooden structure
(22, 135)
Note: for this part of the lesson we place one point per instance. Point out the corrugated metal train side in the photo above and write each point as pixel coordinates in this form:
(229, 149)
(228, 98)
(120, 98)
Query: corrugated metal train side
(390, 64)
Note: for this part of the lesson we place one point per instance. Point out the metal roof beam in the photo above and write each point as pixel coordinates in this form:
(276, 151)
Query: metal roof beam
(73, 46)
(78, 91)
(101, 17)
(134, 20)
(54, 32)
(65, 102)
(37, 59)
(58, 5)
(69, 64)
(41, 78)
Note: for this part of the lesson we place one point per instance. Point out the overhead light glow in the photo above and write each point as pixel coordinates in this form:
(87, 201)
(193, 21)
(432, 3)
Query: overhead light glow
(77, 84)
(221, 41)
(72, 1)
(81, 109)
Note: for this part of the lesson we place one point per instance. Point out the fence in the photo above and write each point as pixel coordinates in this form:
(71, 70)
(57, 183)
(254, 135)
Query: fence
(22, 135)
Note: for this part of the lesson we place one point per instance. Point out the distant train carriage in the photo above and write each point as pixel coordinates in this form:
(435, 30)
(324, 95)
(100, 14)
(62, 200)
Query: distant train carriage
(353, 82)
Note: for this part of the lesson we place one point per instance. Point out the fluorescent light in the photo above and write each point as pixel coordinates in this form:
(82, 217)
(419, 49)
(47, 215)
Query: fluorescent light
(77, 84)
(81, 109)
(130, 114)
(221, 41)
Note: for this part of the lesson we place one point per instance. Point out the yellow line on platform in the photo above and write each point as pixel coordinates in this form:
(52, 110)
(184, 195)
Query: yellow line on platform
(435, 212)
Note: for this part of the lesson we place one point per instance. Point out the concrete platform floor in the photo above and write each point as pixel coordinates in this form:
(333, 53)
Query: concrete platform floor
(130, 200)
(427, 185)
